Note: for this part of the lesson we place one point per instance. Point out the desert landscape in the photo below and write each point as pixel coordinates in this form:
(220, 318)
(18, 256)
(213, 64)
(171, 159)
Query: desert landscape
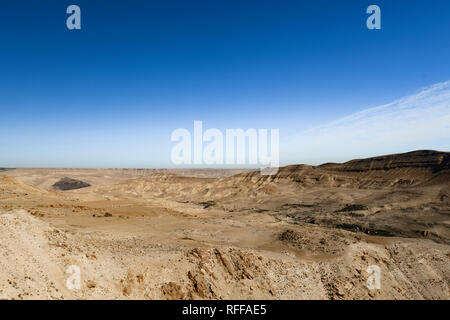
(307, 232)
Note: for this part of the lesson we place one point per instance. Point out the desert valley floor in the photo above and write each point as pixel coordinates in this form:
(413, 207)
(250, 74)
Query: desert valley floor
(308, 232)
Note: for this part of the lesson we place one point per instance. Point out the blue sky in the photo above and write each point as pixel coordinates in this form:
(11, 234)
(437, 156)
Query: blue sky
(110, 94)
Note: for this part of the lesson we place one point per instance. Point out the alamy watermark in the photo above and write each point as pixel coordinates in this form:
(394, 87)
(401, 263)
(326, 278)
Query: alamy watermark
(374, 20)
(251, 147)
(73, 22)
(374, 280)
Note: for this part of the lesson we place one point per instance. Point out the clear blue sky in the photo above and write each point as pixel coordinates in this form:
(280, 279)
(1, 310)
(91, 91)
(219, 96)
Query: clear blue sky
(110, 95)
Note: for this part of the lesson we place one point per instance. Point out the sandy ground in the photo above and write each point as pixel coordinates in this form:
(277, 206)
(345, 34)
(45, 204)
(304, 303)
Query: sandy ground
(305, 233)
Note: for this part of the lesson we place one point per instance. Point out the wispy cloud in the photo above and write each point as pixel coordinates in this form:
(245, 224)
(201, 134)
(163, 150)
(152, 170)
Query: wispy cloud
(418, 121)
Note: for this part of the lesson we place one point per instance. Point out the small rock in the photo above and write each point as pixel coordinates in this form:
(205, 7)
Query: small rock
(126, 291)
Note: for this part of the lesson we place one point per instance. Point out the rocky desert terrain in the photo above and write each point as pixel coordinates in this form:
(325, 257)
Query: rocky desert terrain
(307, 232)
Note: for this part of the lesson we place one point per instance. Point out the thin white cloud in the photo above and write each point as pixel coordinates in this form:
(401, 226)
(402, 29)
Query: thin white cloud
(418, 121)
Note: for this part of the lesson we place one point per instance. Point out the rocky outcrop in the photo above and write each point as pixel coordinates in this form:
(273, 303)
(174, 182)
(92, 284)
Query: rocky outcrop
(70, 184)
